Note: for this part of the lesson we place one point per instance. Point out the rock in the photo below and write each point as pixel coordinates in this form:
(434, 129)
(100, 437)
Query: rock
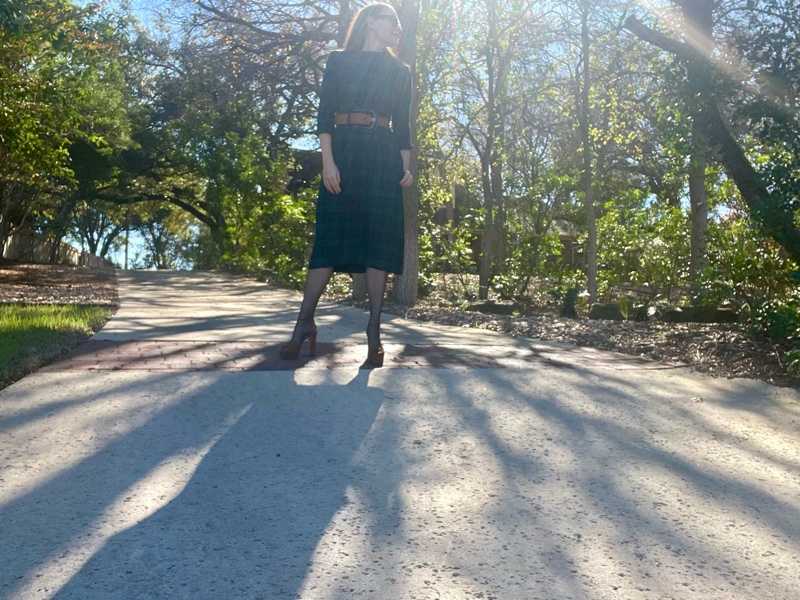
(606, 311)
(698, 314)
(494, 308)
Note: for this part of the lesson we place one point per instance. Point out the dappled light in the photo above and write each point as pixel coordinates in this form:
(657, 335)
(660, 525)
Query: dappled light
(499, 487)
(575, 176)
(188, 460)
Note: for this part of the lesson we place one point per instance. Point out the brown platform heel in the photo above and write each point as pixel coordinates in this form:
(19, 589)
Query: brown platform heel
(374, 354)
(291, 350)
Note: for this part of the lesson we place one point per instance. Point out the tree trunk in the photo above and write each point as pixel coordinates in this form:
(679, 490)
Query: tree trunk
(405, 287)
(488, 246)
(359, 287)
(699, 27)
(492, 163)
(108, 241)
(776, 219)
(588, 196)
(698, 199)
(492, 241)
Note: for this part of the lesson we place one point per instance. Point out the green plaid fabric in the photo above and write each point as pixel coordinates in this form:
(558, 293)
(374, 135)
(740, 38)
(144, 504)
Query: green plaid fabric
(363, 226)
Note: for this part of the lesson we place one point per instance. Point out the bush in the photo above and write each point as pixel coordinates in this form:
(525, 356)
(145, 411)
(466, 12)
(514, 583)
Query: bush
(752, 273)
(642, 247)
(744, 267)
(445, 250)
(533, 255)
(778, 318)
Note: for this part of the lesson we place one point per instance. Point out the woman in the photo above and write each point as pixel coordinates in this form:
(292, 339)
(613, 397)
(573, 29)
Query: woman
(363, 128)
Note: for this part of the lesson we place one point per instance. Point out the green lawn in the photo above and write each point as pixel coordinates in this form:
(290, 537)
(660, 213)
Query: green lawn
(32, 335)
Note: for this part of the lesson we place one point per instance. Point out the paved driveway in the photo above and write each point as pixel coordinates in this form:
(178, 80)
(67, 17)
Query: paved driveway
(175, 457)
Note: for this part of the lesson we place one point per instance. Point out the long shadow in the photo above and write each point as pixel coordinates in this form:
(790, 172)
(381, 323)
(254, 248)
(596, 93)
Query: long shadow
(597, 451)
(588, 473)
(274, 463)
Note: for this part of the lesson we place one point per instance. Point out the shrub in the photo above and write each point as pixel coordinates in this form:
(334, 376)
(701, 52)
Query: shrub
(753, 274)
(642, 247)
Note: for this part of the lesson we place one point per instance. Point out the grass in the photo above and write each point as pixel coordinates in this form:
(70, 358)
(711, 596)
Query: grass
(32, 335)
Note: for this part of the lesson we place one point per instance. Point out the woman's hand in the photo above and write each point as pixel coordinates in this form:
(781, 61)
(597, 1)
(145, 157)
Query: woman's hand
(330, 179)
(407, 180)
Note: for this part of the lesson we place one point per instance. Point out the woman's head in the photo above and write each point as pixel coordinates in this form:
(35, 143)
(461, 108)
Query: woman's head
(375, 25)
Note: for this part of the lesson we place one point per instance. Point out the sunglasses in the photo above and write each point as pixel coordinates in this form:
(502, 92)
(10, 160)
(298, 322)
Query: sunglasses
(393, 20)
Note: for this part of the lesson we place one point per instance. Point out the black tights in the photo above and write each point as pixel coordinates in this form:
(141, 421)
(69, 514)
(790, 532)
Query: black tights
(317, 280)
(376, 288)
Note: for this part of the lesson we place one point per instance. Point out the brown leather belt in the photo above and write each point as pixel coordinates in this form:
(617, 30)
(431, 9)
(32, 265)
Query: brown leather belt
(365, 119)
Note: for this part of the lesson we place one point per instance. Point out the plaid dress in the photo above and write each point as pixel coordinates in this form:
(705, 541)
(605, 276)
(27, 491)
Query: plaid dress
(363, 226)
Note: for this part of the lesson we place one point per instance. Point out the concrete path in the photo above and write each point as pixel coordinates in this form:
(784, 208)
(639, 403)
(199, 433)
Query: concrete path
(173, 456)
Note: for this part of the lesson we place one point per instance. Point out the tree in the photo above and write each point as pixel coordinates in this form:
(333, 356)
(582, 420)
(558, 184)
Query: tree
(166, 235)
(584, 116)
(699, 24)
(201, 143)
(775, 211)
(33, 130)
(63, 98)
(495, 34)
(406, 286)
(604, 83)
(98, 228)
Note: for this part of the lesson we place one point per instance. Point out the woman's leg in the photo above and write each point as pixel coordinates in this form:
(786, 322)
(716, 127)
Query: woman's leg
(316, 281)
(376, 288)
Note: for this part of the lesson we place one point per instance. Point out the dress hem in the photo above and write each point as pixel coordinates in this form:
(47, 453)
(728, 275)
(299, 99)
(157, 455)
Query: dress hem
(361, 268)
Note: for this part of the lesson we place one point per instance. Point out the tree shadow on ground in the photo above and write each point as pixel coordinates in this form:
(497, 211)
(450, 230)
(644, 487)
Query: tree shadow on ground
(223, 492)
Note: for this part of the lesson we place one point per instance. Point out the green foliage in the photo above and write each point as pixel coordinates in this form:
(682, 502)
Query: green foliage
(167, 234)
(642, 247)
(214, 131)
(772, 48)
(792, 360)
(97, 227)
(752, 273)
(778, 318)
(624, 306)
(426, 281)
(61, 81)
(276, 236)
(287, 236)
(189, 140)
(446, 249)
(64, 110)
(745, 268)
(203, 252)
(532, 255)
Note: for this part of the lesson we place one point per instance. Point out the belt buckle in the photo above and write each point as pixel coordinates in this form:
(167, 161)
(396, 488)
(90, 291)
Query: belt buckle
(373, 120)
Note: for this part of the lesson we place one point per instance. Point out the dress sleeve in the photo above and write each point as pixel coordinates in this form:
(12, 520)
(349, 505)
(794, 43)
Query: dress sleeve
(401, 118)
(327, 95)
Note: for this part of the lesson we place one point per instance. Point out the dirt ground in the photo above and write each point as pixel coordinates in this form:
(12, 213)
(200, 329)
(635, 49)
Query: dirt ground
(57, 284)
(715, 349)
(720, 350)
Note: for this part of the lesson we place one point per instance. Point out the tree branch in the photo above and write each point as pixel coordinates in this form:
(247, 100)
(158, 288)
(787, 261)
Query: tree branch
(776, 219)
(229, 18)
(682, 50)
(193, 210)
